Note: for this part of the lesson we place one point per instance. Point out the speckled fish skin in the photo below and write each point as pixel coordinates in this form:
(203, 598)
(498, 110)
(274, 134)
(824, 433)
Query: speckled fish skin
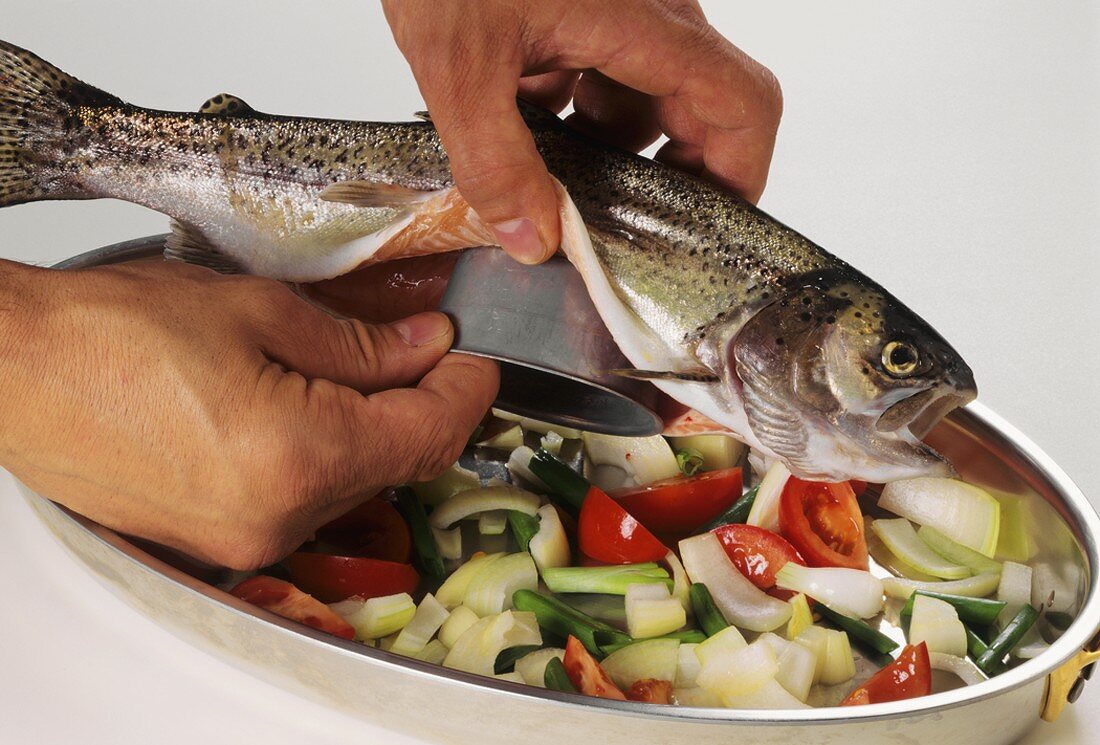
(733, 313)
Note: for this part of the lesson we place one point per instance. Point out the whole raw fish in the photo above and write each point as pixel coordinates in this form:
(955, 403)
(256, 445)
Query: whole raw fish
(722, 307)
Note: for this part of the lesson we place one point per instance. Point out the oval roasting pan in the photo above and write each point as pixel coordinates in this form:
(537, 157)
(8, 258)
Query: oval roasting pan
(449, 706)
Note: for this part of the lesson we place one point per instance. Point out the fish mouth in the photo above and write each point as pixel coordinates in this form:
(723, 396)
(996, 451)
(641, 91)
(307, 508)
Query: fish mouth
(921, 412)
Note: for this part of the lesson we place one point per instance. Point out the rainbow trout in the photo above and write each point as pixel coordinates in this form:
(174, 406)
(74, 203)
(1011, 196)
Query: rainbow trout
(722, 307)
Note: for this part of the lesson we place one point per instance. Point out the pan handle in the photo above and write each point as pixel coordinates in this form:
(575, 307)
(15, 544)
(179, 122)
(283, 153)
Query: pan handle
(1064, 685)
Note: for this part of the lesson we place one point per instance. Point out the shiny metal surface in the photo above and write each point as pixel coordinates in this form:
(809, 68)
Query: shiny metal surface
(449, 706)
(554, 350)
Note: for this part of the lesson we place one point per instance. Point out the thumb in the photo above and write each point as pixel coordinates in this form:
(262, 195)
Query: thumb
(495, 164)
(365, 357)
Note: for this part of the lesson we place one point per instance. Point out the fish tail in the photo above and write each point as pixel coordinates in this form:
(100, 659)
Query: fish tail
(41, 128)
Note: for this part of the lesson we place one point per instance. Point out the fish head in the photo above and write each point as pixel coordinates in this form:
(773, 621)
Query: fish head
(841, 380)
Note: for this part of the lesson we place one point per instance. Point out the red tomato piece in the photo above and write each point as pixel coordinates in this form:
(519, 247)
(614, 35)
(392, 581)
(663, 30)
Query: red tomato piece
(909, 676)
(374, 529)
(823, 522)
(651, 691)
(585, 673)
(757, 553)
(288, 601)
(858, 487)
(606, 532)
(678, 506)
(333, 578)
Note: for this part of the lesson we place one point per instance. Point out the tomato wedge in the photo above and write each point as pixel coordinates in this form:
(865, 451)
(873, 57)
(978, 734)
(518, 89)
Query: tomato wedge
(333, 578)
(651, 691)
(585, 673)
(823, 522)
(757, 553)
(288, 601)
(374, 529)
(677, 506)
(909, 676)
(608, 533)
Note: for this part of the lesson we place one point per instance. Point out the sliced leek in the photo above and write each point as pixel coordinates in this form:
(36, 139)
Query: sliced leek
(962, 512)
(898, 536)
(483, 499)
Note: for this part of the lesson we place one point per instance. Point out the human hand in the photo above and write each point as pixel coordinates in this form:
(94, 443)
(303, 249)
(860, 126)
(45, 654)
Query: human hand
(222, 416)
(649, 67)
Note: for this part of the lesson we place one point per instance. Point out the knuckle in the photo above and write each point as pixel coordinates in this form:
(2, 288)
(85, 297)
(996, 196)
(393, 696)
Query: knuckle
(438, 448)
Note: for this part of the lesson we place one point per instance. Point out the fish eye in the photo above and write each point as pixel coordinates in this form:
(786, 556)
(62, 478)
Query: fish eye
(900, 358)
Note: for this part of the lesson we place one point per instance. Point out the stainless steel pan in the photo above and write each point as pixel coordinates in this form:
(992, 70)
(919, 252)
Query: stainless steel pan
(449, 706)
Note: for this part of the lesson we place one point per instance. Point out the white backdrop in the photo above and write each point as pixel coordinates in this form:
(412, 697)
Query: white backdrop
(949, 150)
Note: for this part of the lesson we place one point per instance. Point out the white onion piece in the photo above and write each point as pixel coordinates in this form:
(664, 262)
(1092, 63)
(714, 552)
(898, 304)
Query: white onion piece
(852, 592)
(765, 508)
(977, 586)
(961, 667)
(483, 499)
(646, 459)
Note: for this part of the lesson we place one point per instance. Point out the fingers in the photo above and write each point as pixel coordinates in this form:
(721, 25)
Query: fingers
(551, 90)
(612, 113)
(389, 291)
(363, 357)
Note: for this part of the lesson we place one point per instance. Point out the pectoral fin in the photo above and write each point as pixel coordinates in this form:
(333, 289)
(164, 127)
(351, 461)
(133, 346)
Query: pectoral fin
(187, 243)
(373, 194)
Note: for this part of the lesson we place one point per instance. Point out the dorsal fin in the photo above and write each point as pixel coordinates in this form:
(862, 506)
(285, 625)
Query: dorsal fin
(373, 194)
(187, 243)
(226, 104)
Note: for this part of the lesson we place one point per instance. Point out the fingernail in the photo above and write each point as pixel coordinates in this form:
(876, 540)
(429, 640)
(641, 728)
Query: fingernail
(520, 238)
(423, 328)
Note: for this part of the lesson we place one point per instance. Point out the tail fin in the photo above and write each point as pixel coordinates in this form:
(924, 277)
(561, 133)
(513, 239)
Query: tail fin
(38, 126)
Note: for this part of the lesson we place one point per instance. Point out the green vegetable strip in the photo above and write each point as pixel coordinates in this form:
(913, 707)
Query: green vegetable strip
(858, 630)
(684, 637)
(523, 527)
(737, 513)
(611, 580)
(555, 677)
(427, 552)
(1009, 637)
(971, 610)
(562, 480)
(506, 660)
(706, 612)
(689, 460)
(975, 644)
(562, 620)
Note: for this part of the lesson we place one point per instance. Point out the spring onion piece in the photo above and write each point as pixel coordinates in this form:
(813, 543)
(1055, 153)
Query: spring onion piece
(555, 678)
(707, 614)
(852, 592)
(379, 617)
(506, 660)
(519, 464)
(885, 559)
(689, 460)
(509, 439)
(434, 652)
(962, 512)
(1013, 632)
(652, 611)
(961, 667)
(898, 536)
(796, 665)
(977, 586)
(681, 583)
(477, 649)
(453, 590)
(741, 671)
(801, 617)
(937, 623)
(490, 591)
(971, 610)
(816, 640)
(429, 616)
(728, 639)
(454, 480)
(717, 451)
(765, 508)
(737, 513)
(532, 667)
(859, 630)
(839, 664)
(610, 609)
(1014, 589)
(493, 522)
(483, 499)
(975, 644)
(461, 618)
(524, 527)
(956, 552)
(771, 695)
(561, 620)
(652, 658)
(609, 645)
(741, 602)
(449, 543)
(569, 486)
(536, 425)
(549, 546)
(687, 666)
(427, 551)
(551, 442)
(645, 459)
(609, 580)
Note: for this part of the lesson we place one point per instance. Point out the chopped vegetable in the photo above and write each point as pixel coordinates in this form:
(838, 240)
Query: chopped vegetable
(681, 583)
(608, 533)
(801, 617)
(453, 590)
(609, 580)
(886, 559)
(652, 658)
(561, 620)
(651, 611)
(508, 439)
(532, 666)
(739, 600)
(956, 552)
(839, 664)
(689, 460)
(771, 695)
(429, 616)
(509, 657)
(645, 459)
(824, 523)
(765, 506)
(718, 451)
(551, 442)
(454, 480)
(908, 677)
(977, 586)
(696, 696)
(332, 578)
(706, 612)
(556, 678)
(677, 507)
(483, 499)
(565, 483)
(691, 637)
(738, 513)
(455, 626)
(937, 624)
(549, 546)
(524, 527)
(740, 671)
(961, 667)
(756, 552)
(449, 542)
(434, 652)
(1014, 589)
(536, 425)
(286, 600)
(962, 512)
(728, 639)
(859, 630)
(1016, 542)
(1013, 632)
(972, 610)
(898, 536)
(493, 522)
(427, 551)
(796, 664)
(687, 666)
(382, 616)
(490, 591)
(852, 592)
(477, 649)
(585, 673)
